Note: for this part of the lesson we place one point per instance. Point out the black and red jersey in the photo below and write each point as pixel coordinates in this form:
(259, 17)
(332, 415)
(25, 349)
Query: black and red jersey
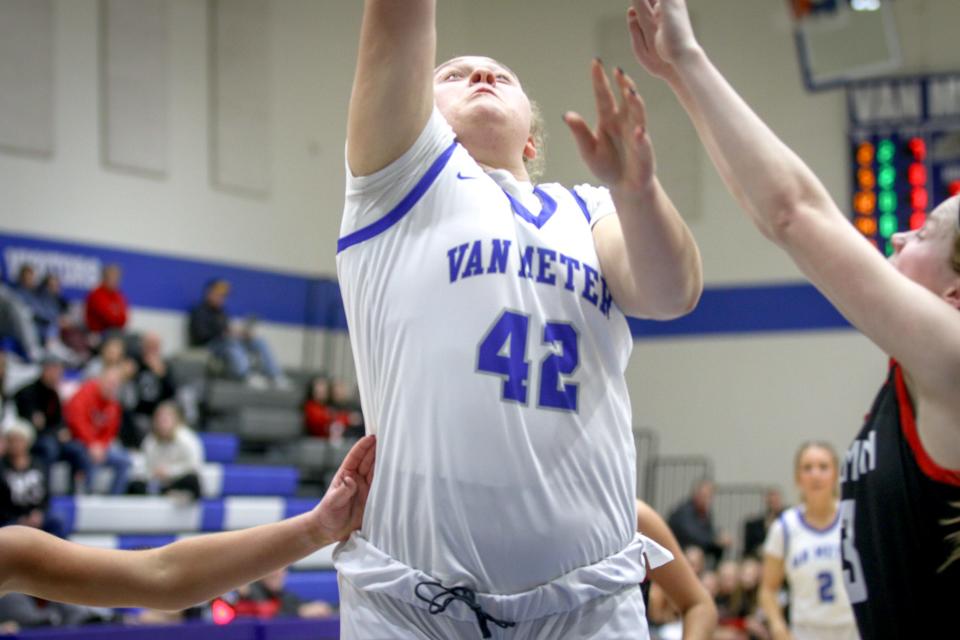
(900, 526)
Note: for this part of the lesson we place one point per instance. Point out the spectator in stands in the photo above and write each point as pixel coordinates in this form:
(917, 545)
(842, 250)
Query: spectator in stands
(330, 411)
(66, 333)
(173, 455)
(5, 405)
(755, 529)
(26, 612)
(16, 324)
(267, 598)
(112, 353)
(728, 601)
(24, 485)
(692, 523)
(348, 418)
(150, 384)
(317, 412)
(39, 404)
(93, 415)
(106, 305)
(243, 352)
(26, 288)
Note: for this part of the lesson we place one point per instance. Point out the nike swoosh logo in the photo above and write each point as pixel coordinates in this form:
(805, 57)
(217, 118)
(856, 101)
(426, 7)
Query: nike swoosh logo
(463, 177)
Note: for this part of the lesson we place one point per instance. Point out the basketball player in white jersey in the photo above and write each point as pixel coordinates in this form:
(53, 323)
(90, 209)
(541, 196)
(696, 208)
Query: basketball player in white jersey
(487, 321)
(803, 546)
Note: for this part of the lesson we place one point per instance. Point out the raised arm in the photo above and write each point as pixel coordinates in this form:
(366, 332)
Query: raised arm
(790, 206)
(647, 253)
(677, 578)
(393, 87)
(184, 573)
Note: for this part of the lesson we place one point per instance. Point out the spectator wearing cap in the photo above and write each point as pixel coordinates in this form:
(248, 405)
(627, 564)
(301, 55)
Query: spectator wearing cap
(39, 404)
(240, 348)
(93, 415)
(24, 496)
(106, 307)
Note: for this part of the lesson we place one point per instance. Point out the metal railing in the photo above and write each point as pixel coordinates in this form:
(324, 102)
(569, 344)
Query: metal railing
(732, 505)
(672, 478)
(647, 444)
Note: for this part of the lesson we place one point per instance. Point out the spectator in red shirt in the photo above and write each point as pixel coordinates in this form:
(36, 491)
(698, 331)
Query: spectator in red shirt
(317, 414)
(106, 305)
(93, 415)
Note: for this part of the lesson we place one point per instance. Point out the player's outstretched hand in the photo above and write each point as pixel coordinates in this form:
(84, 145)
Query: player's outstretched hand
(340, 512)
(619, 151)
(661, 34)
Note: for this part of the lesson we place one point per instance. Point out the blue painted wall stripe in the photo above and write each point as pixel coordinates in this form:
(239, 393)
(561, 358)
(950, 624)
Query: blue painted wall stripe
(749, 309)
(170, 283)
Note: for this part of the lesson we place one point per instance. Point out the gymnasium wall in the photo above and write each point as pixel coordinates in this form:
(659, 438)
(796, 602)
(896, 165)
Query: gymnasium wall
(233, 157)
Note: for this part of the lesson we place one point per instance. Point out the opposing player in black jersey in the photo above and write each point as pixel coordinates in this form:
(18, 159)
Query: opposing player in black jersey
(900, 479)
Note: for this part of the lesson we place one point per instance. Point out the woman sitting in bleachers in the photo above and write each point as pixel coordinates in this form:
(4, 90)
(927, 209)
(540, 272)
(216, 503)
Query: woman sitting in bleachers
(173, 456)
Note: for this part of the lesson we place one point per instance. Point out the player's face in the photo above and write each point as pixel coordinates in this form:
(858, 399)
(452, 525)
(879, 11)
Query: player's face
(923, 255)
(816, 473)
(477, 92)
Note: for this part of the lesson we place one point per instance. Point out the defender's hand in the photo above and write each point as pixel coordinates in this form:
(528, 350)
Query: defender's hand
(661, 34)
(340, 512)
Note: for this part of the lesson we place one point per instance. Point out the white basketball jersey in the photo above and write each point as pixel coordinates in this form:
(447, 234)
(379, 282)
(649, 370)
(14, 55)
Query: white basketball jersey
(490, 359)
(811, 560)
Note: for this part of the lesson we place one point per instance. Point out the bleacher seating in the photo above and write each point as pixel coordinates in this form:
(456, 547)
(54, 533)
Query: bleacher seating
(227, 395)
(260, 424)
(246, 480)
(220, 447)
(155, 514)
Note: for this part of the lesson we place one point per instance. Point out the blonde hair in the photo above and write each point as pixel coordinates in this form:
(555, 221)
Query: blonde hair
(536, 166)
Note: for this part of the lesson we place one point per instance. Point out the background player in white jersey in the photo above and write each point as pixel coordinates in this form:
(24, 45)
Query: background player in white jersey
(487, 321)
(900, 480)
(803, 546)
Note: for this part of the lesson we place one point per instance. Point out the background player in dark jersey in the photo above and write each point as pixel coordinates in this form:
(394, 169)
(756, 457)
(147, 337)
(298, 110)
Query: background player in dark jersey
(901, 487)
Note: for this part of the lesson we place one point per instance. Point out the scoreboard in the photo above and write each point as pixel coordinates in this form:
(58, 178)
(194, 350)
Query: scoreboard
(905, 152)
